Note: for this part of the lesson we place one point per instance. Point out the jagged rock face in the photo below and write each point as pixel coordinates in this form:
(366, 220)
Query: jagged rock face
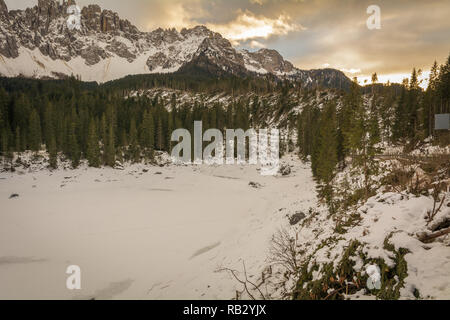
(36, 42)
(270, 61)
(8, 44)
(220, 52)
(3, 8)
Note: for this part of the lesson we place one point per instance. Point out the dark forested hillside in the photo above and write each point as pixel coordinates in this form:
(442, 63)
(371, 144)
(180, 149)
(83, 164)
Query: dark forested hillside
(368, 118)
(72, 117)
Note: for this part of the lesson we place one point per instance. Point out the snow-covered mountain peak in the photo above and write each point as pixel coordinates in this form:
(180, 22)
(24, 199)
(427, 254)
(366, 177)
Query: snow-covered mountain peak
(36, 42)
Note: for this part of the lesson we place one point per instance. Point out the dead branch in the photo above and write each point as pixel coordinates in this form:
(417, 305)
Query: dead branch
(426, 238)
(245, 282)
(432, 214)
(346, 287)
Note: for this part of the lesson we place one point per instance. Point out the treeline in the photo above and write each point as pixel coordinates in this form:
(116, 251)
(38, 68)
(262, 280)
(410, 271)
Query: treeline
(393, 114)
(97, 124)
(198, 82)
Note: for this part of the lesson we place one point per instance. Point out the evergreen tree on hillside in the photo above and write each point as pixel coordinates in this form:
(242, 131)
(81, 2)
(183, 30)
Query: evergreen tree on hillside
(429, 102)
(413, 103)
(327, 158)
(160, 135)
(134, 144)
(53, 154)
(74, 147)
(352, 106)
(444, 87)
(361, 137)
(170, 129)
(35, 131)
(18, 141)
(104, 136)
(148, 134)
(4, 142)
(401, 115)
(110, 147)
(93, 149)
(49, 127)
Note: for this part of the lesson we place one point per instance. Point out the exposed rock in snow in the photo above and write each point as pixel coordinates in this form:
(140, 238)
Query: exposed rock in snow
(296, 218)
(285, 170)
(255, 185)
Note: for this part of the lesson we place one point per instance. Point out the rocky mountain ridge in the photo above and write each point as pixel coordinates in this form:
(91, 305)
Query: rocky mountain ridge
(36, 42)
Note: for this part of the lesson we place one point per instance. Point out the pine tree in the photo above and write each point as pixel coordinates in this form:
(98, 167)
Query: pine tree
(48, 122)
(400, 116)
(110, 147)
(374, 82)
(35, 131)
(104, 136)
(53, 154)
(93, 149)
(148, 134)
(18, 141)
(74, 148)
(160, 135)
(170, 129)
(327, 158)
(361, 138)
(4, 142)
(444, 87)
(413, 102)
(134, 145)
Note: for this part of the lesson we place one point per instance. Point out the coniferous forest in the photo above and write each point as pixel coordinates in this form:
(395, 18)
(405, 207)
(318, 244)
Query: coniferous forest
(103, 123)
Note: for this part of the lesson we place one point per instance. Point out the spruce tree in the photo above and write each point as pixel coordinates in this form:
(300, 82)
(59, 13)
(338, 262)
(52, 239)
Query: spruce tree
(327, 158)
(134, 144)
(160, 135)
(93, 149)
(361, 138)
(74, 147)
(18, 141)
(104, 136)
(4, 143)
(110, 147)
(148, 134)
(35, 131)
(53, 154)
(48, 122)
(170, 129)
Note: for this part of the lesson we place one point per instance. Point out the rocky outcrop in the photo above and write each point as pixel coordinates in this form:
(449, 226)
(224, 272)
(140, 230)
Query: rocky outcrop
(121, 50)
(220, 52)
(93, 54)
(9, 47)
(8, 44)
(159, 60)
(3, 9)
(269, 60)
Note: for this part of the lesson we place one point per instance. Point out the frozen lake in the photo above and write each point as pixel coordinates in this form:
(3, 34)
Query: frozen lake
(161, 234)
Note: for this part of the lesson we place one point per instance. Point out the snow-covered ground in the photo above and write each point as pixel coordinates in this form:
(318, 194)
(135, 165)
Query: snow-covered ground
(149, 232)
(160, 234)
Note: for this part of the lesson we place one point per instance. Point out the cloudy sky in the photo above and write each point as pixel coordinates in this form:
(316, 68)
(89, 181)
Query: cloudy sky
(309, 33)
